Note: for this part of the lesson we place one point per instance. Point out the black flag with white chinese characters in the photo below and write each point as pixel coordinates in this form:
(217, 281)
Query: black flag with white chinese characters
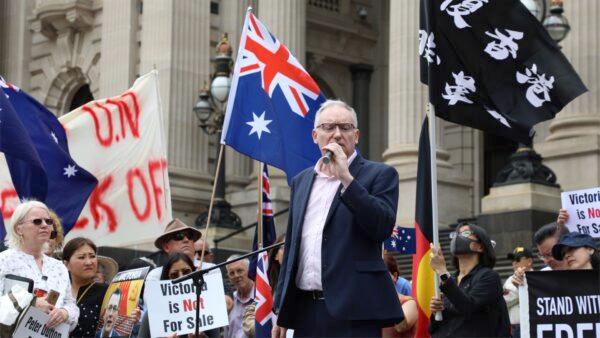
(491, 65)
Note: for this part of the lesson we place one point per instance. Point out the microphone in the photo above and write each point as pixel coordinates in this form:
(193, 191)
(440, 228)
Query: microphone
(327, 157)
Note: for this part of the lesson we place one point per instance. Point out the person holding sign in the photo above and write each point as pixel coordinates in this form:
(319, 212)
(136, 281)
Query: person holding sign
(27, 234)
(472, 303)
(178, 265)
(579, 251)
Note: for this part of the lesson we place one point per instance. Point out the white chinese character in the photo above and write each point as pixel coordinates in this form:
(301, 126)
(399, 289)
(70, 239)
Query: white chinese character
(504, 45)
(498, 117)
(464, 85)
(464, 8)
(427, 46)
(538, 91)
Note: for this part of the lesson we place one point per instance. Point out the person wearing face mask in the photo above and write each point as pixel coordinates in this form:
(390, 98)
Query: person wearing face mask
(471, 299)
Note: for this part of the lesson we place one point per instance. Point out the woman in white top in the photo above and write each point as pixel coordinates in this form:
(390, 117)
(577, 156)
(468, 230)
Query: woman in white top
(26, 236)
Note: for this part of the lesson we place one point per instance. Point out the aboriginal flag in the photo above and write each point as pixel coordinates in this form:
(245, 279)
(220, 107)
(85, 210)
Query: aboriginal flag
(422, 274)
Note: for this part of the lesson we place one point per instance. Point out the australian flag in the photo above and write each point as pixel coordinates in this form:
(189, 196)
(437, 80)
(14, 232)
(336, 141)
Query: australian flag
(36, 150)
(263, 295)
(272, 103)
(491, 65)
(269, 234)
(402, 240)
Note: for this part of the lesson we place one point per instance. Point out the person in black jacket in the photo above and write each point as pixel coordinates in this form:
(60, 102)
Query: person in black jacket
(471, 303)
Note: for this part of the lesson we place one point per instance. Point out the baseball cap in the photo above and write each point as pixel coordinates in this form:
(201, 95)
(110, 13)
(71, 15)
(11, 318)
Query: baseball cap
(520, 252)
(572, 240)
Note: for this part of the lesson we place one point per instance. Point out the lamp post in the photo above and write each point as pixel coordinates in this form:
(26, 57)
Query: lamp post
(210, 111)
(556, 24)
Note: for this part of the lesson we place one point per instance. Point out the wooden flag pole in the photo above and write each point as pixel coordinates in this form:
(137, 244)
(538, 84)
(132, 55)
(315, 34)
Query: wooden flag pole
(434, 193)
(260, 230)
(212, 199)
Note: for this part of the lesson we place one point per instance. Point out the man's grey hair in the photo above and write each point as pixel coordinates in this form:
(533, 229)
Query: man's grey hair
(336, 103)
(245, 260)
(14, 240)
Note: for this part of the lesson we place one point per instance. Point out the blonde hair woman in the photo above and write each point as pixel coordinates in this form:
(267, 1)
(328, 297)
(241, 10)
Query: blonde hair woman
(26, 236)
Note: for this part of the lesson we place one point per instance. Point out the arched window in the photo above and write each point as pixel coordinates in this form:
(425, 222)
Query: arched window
(81, 97)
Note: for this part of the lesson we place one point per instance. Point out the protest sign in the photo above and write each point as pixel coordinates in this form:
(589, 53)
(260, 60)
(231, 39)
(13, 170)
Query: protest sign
(172, 307)
(121, 141)
(121, 298)
(33, 325)
(583, 207)
(552, 306)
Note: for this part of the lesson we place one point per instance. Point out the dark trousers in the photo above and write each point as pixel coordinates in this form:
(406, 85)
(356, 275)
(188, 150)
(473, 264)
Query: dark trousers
(314, 321)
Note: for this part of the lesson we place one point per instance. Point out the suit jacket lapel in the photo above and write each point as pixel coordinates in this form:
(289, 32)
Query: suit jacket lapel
(302, 198)
(354, 170)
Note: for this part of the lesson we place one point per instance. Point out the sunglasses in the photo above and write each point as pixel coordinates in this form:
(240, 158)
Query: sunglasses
(179, 236)
(465, 233)
(179, 273)
(38, 221)
(206, 253)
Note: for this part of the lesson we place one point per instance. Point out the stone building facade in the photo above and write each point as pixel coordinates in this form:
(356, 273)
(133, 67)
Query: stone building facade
(66, 52)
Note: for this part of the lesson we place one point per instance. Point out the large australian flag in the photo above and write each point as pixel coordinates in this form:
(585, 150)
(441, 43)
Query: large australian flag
(491, 65)
(36, 150)
(272, 103)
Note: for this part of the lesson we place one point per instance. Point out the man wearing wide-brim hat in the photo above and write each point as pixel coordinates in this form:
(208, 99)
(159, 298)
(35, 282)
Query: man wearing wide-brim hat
(177, 237)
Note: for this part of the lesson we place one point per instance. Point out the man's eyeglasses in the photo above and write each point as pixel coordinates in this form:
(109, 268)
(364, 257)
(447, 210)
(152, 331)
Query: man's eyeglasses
(179, 273)
(179, 236)
(329, 127)
(545, 256)
(38, 221)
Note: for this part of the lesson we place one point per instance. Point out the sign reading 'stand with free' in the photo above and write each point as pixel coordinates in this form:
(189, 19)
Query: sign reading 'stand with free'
(583, 207)
(552, 306)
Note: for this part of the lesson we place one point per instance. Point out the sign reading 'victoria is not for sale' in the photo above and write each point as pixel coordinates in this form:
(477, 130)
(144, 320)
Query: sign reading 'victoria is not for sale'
(583, 207)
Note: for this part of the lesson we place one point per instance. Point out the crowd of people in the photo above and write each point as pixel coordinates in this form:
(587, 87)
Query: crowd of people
(326, 281)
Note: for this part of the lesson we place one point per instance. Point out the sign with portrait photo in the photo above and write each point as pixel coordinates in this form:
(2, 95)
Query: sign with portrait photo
(121, 299)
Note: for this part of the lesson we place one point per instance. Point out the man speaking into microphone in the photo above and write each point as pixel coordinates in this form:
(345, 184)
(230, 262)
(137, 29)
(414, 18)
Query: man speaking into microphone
(333, 281)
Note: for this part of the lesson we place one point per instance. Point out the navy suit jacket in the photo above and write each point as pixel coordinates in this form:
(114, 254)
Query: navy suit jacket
(356, 282)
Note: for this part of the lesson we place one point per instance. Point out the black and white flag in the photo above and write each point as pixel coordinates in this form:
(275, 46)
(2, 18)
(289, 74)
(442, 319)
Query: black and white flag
(491, 65)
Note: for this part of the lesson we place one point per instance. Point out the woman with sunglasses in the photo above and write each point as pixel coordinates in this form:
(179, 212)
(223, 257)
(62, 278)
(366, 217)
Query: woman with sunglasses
(178, 265)
(471, 303)
(26, 235)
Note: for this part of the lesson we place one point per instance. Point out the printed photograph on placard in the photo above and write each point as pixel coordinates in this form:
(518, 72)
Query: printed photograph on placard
(117, 317)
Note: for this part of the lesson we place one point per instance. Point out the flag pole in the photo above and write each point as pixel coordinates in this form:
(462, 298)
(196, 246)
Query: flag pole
(259, 231)
(434, 193)
(212, 198)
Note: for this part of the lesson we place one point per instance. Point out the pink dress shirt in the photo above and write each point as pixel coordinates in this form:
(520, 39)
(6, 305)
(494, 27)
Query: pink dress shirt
(322, 194)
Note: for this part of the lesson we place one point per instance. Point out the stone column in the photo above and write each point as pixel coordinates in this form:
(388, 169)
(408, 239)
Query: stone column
(15, 41)
(119, 46)
(407, 108)
(574, 139)
(361, 85)
(176, 41)
(286, 19)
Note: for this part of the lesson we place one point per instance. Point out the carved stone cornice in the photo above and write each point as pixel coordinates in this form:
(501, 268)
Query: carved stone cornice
(53, 18)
